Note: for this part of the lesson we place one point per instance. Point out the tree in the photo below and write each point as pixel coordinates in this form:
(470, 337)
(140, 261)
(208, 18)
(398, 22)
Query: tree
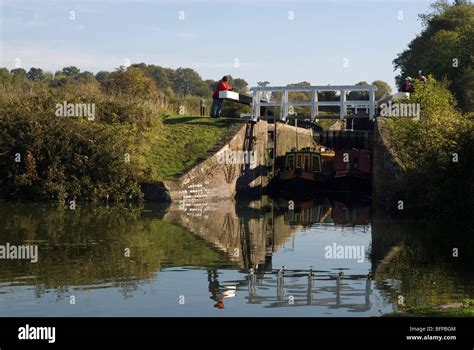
(186, 81)
(102, 77)
(299, 95)
(18, 72)
(87, 78)
(443, 49)
(239, 85)
(19, 80)
(72, 72)
(131, 81)
(211, 84)
(382, 88)
(5, 78)
(359, 95)
(35, 74)
(158, 74)
(302, 83)
(48, 77)
(61, 80)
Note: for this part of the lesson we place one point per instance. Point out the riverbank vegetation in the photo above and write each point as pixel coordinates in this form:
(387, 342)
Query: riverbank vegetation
(140, 131)
(463, 310)
(437, 151)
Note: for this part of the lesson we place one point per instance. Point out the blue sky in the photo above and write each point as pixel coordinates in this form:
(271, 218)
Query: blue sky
(254, 39)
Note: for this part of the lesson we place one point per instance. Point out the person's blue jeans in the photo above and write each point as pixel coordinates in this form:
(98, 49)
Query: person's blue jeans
(216, 107)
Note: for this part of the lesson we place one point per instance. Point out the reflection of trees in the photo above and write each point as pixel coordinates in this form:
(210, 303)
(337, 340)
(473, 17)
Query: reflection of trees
(86, 247)
(248, 236)
(419, 261)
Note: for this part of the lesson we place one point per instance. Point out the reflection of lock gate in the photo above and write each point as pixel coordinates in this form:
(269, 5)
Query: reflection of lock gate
(300, 288)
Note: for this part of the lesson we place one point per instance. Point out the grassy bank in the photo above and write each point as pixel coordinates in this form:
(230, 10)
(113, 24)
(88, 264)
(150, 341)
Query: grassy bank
(181, 142)
(131, 140)
(465, 309)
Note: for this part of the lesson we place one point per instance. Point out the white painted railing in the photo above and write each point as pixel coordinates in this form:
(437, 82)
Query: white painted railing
(258, 101)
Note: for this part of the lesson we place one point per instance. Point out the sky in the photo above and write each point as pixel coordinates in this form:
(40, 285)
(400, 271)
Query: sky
(338, 42)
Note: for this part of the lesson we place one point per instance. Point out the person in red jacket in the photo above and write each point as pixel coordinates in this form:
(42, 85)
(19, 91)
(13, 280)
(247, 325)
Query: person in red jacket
(216, 106)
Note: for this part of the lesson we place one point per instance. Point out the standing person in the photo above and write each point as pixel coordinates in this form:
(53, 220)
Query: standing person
(216, 106)
(408, 87)
(421, 76)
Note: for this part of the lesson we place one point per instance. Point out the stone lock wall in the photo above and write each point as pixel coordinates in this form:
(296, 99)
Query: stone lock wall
(227, 173)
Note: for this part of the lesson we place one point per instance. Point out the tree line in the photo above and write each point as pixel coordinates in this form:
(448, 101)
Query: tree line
(137, 80)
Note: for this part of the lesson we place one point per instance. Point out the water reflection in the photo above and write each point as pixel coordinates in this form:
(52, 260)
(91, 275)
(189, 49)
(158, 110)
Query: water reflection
(263, 257)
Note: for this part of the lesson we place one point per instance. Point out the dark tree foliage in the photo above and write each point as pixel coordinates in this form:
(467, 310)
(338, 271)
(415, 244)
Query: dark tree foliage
(444, 49)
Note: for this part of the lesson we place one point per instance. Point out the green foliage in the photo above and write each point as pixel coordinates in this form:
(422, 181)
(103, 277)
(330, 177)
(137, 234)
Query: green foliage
(180, 143)
(444, 49)
(359, 95)
(72, 72)
(434, 181)
(239, 85)
(131, 81)
(71, 157)
(102, 77)
(68, 157)
(18, 72)
(35, 74)
(159, 75)
(382, 88)
(234, 110)
(186, 81)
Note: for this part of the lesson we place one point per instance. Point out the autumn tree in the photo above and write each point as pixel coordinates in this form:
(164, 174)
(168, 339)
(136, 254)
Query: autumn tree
(131, 81)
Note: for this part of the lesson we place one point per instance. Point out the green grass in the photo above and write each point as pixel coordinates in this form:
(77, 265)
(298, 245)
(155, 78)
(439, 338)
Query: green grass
(466, 310)
(175, 143)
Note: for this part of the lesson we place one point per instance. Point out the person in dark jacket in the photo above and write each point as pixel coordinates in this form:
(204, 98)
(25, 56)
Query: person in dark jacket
(216, 106)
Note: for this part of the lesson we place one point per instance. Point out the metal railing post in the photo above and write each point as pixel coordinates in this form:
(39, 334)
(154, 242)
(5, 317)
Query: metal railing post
(342, 99)
(314, 104)
(256, 105)
(372, 104)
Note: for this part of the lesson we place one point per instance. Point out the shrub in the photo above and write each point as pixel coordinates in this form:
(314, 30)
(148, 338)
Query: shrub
(434, 182)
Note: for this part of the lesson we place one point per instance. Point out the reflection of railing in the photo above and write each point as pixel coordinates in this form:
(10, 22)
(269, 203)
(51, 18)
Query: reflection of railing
(303, 288)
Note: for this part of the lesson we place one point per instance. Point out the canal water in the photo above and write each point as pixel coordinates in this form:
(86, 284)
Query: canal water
(323, 257)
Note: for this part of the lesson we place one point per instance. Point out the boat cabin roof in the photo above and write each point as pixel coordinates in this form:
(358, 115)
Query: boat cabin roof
(311, 150)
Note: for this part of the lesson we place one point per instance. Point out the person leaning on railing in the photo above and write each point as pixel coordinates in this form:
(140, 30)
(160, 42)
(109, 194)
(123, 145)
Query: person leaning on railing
(216, 106)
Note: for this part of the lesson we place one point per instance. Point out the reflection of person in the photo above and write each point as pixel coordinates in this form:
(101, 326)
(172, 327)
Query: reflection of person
(214, 287)
(216, 106)
(218, 292)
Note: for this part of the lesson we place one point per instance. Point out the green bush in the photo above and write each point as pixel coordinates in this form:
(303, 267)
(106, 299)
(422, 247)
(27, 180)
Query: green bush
(434, 181)
(44, 156)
